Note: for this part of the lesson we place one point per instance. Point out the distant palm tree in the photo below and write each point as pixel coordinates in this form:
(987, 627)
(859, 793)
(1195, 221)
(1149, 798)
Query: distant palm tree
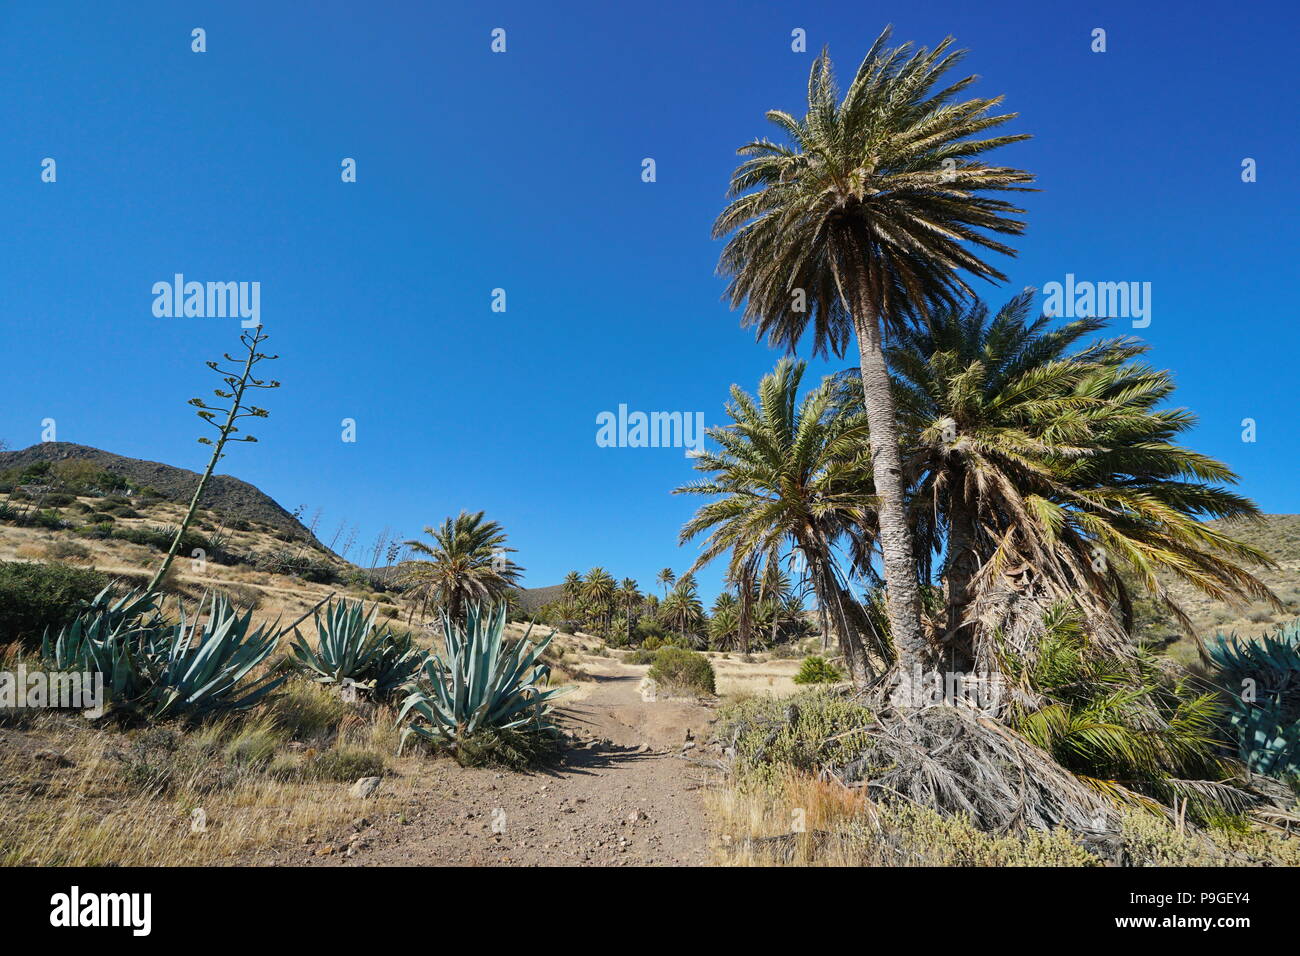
(629, 597)
(865, 219)
(465, 563)
(572, 591)
(682, 609)
(725, 599)
(790, 471)
(665, 579)
(600, 589)
(724, 627)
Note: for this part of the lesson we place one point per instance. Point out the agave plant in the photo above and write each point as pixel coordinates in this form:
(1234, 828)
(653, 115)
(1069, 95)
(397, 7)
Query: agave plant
(154, 669)
(350, 647)
(1262, 679)
(482, 684)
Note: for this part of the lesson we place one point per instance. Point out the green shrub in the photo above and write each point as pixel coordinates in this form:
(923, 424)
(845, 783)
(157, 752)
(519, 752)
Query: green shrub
(806, 732)
(49, 518)
(66, 550)
(345, 764)
(160, 539)
(34, 597)
(254, 746)
(678, 669)
(818, 670)
(646, 629)
(307, 710)
(244, 596)
(516, 748)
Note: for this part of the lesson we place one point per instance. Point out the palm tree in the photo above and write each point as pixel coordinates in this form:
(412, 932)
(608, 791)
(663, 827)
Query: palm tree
(724, 627)
(724, 600)
(465, 563)
(599, 590)
(865, 219)
(682, 609)
(572, 590)
(789, 471)
(1055, 474)
(665, 579)
(629, 596)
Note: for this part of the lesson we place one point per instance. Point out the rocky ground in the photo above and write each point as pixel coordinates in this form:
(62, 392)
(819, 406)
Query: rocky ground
(627, 795)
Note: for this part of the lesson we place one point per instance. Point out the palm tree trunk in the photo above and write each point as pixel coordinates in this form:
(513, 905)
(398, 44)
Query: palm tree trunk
(961, 567)
(902, 593)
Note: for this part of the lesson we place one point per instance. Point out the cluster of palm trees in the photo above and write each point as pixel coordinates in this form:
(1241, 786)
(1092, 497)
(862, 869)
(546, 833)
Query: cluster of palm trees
(972, 469)
(622, 614)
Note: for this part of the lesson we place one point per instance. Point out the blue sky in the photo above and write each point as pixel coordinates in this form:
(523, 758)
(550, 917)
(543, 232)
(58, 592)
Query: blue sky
(522, 171)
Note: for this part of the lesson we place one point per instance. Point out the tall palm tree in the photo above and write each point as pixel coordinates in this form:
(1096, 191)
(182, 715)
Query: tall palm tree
(572, 590)
(869, 215)
(789, 471)
(465, 563)
(629, 597)
(665, 579)
(1053, 470)
(600, 589)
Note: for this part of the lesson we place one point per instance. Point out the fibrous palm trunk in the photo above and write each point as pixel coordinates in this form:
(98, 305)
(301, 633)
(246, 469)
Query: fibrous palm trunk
(962, 563)
(896, 545)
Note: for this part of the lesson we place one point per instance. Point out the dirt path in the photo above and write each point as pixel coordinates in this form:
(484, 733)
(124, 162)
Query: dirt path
(623, 797)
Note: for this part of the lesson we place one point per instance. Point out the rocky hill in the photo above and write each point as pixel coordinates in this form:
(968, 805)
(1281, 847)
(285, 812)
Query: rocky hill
(225, 496)
(1278, 536)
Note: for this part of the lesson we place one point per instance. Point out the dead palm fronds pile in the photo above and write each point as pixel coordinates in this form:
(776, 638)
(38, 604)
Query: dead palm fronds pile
(957, 762)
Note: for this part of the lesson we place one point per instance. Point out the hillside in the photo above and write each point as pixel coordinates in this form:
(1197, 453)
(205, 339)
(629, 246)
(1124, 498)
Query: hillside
(532, 598)
(225, 496)
(1278, 536)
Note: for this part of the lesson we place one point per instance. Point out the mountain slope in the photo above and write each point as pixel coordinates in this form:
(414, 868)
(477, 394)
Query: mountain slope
(1276, 535)
(225, 496)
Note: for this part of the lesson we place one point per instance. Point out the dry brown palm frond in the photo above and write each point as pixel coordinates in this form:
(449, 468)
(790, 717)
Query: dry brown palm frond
(955, 761)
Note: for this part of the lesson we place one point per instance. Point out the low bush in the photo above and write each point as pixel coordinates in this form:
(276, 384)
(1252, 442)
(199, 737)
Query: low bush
(346, 764)
(818, 670)
(244, 596)
(803, 733)
(677, 669)
(34, 597)
(65, 550)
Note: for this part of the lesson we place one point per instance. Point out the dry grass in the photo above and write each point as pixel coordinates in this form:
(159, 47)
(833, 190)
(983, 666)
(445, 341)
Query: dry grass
(81, 795)
(803, 821)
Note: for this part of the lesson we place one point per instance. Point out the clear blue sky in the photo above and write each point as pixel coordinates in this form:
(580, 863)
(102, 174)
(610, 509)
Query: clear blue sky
(522, 171)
